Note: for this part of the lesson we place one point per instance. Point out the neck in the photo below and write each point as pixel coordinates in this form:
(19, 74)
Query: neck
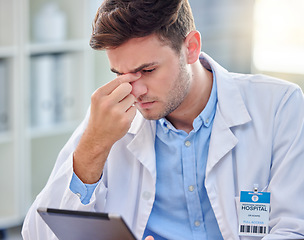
(196, 100)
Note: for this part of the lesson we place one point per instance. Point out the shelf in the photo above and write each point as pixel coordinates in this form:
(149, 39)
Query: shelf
(6, 137)
(57, 47)
(29, 153)
(7, 222)
(56, 129)
(7, 51)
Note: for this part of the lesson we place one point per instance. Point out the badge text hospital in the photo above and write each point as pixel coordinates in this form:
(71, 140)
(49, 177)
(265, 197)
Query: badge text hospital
(254, 213)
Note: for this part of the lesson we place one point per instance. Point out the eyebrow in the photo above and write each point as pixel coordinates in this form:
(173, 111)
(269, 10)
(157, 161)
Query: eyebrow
(141, 67)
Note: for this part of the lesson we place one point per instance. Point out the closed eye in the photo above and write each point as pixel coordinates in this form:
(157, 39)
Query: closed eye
(148, 70)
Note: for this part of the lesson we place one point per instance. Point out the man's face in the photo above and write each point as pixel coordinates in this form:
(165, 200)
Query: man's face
(165, 79)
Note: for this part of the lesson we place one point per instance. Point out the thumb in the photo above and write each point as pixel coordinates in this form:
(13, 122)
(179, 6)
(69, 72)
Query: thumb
(149, 238)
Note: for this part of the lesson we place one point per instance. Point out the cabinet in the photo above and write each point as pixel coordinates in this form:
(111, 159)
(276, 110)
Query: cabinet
(46, 80)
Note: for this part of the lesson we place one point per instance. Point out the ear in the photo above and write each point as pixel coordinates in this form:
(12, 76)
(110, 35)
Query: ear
(193, 46)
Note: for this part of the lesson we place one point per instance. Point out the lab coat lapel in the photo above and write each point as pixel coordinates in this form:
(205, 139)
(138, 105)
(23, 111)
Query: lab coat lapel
(221, 142)
(142, 145)
(231, 112)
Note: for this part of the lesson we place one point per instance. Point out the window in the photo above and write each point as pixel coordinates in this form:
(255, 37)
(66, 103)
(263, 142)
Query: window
(279, 36)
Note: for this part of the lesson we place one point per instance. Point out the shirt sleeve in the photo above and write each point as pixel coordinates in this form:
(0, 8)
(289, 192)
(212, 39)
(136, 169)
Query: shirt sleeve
(83, 191)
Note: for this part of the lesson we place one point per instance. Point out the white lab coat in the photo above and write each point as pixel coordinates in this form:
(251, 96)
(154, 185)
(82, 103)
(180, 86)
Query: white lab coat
(257, 138)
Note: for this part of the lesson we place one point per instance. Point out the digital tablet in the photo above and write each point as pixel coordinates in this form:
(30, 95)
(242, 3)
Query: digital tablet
(79, 225)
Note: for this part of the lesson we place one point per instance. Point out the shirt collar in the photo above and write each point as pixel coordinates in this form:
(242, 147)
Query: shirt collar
(208, 112)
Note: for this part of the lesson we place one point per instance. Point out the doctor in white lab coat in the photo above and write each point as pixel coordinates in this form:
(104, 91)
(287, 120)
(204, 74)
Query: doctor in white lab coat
(257, 137)
(257, 140)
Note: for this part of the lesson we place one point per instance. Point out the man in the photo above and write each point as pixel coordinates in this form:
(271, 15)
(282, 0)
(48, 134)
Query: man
(175, 168)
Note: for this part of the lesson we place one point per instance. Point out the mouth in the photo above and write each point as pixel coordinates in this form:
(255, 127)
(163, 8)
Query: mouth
(145, 105)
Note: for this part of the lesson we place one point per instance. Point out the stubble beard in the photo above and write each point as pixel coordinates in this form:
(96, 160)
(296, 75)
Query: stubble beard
(176, 95)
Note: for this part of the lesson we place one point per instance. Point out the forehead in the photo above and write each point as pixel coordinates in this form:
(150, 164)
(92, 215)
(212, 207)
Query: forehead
(138, 51)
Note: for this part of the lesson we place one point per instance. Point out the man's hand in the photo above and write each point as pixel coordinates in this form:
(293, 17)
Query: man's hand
(149, 238)
(112, 112)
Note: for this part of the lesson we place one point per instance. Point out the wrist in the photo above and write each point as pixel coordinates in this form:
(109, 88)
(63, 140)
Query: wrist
(88, 162)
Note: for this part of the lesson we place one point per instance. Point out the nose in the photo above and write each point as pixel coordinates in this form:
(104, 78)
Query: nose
(138, 88)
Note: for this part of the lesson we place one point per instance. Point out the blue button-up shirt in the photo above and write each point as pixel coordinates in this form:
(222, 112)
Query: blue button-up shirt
(182, 209)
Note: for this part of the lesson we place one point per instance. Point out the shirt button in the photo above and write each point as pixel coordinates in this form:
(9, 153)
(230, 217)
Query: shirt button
(78, 195)
(207, 121)
(191, 188)
(187, 143)
(146, 195)
(197, 223)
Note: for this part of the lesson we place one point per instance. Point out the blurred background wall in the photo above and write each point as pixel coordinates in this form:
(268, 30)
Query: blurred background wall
(226, 27)
(254, 36)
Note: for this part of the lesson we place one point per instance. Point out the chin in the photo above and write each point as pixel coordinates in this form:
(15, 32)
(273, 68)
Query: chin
(149, 115)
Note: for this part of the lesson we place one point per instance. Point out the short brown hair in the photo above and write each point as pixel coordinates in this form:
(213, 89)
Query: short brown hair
(117, 21)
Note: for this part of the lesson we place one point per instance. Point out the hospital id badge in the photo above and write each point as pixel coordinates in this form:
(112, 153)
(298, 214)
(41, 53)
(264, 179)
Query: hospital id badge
(254, 213)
